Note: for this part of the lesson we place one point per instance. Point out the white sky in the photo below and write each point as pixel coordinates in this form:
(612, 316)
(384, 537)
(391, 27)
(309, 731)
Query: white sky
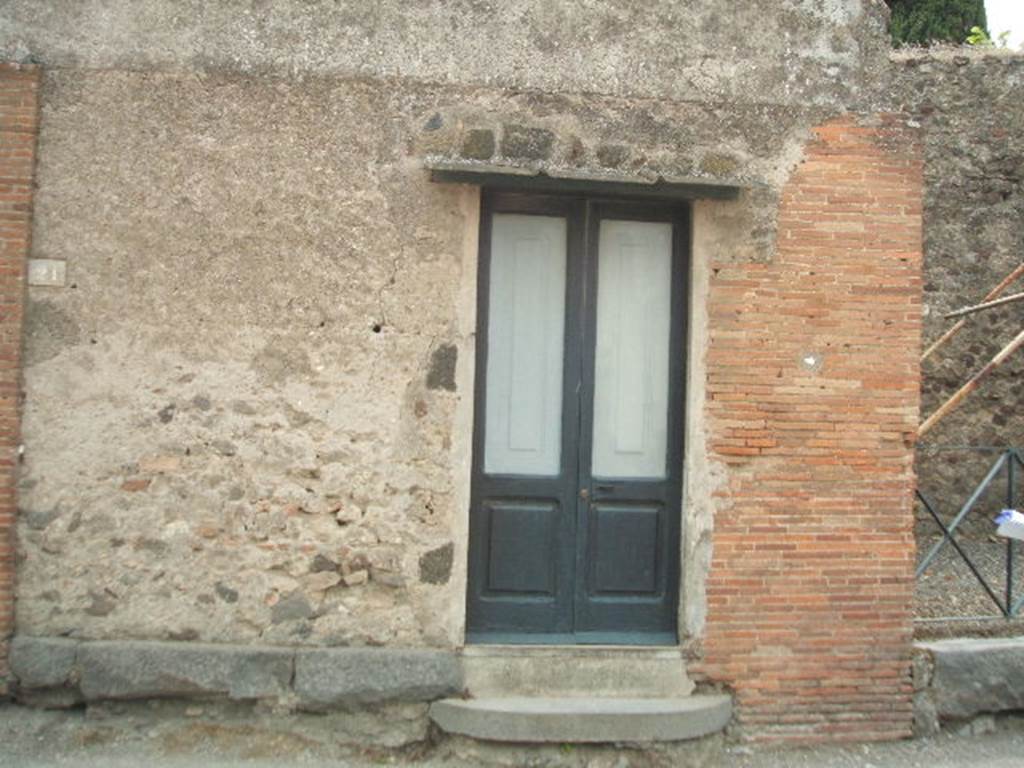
(1006, 15)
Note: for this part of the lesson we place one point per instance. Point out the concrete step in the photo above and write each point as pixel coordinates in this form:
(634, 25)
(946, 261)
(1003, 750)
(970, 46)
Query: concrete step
(577, 720)
(493, 671)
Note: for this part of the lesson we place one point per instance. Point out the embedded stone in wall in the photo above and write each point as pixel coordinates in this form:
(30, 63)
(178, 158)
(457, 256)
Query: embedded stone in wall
(442, 368)
(612, 155)
(478, 144)
(436, 565)
(525, 143)
(719, 165)
(294, 607)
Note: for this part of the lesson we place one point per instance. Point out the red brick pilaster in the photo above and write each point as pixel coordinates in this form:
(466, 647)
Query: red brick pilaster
(19, 111)
(813, 388)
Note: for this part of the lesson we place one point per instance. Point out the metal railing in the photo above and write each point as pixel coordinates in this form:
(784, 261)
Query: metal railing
(1009, 463)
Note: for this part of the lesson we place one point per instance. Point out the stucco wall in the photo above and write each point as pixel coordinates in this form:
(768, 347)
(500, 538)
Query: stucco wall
(250, 375)
(804, 51)
(246, 412)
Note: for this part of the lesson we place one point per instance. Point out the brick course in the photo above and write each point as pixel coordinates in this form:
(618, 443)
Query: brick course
(810, 614)
(19, 91)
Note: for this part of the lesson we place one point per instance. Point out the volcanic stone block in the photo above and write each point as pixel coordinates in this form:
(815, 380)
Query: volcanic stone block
(142, 670)
(975, 676)
(526, 143)
(42, 662)
(334, 678)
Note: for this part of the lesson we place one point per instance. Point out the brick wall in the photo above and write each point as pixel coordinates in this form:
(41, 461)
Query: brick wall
(19, 89)
(809, 595)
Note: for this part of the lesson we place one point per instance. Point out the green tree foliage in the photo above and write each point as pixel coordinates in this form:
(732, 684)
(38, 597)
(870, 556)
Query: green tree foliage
(922, 22)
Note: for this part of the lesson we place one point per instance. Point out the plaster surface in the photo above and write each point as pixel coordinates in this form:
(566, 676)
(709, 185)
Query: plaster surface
(805, 51)
(237, 426)
(248, 409)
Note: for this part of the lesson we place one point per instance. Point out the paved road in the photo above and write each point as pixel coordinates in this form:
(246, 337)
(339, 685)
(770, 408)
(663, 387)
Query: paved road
(39, 739)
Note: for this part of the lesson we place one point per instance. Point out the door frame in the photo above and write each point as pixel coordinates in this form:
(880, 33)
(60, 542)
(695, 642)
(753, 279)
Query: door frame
(583, 215)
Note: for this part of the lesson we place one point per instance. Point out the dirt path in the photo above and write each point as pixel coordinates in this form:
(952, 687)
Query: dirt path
(40, 739)
(1002, 749)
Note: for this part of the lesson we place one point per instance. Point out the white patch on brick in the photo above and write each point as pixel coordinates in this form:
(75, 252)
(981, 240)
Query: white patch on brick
(50, 273)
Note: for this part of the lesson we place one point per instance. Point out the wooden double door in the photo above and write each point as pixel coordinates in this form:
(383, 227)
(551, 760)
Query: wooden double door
(578, 425)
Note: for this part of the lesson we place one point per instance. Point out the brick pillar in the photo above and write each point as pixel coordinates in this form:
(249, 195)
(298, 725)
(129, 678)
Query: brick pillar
(813, 388)
(19, 98)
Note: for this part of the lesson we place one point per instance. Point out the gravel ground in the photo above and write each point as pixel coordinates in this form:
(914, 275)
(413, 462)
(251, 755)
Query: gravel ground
(1002, 749)
(947, 594)
(948, 590)
(41, 739)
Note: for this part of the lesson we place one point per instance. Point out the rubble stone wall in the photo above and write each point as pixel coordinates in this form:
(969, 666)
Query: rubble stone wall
(971, 108)
(242, 408)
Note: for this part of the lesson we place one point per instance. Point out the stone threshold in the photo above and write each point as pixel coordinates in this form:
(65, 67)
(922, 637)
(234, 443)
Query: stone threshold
(60, 672)
(575, 671)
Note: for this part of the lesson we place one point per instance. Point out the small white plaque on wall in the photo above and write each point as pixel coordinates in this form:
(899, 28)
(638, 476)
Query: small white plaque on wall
(47, 272)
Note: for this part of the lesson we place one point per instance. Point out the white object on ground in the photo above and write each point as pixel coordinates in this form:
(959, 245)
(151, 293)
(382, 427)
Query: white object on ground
(1011, 524)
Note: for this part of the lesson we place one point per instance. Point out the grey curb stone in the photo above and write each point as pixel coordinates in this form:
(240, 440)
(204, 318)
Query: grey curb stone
(975, 676)
(332, 678)
(43, 662)
(141, 670)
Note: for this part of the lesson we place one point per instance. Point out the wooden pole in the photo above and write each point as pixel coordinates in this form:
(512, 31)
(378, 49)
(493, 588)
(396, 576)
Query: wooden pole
(971, 385)
(1006, 282)
(985, 305)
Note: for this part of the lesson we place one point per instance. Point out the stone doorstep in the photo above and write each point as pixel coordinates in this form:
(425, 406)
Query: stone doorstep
(579, 694)
(641, 672)
(583, 720)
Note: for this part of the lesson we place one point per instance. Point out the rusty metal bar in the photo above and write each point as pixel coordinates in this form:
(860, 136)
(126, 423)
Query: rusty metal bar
(1003, 285)
(971, 385)
(985, 305)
